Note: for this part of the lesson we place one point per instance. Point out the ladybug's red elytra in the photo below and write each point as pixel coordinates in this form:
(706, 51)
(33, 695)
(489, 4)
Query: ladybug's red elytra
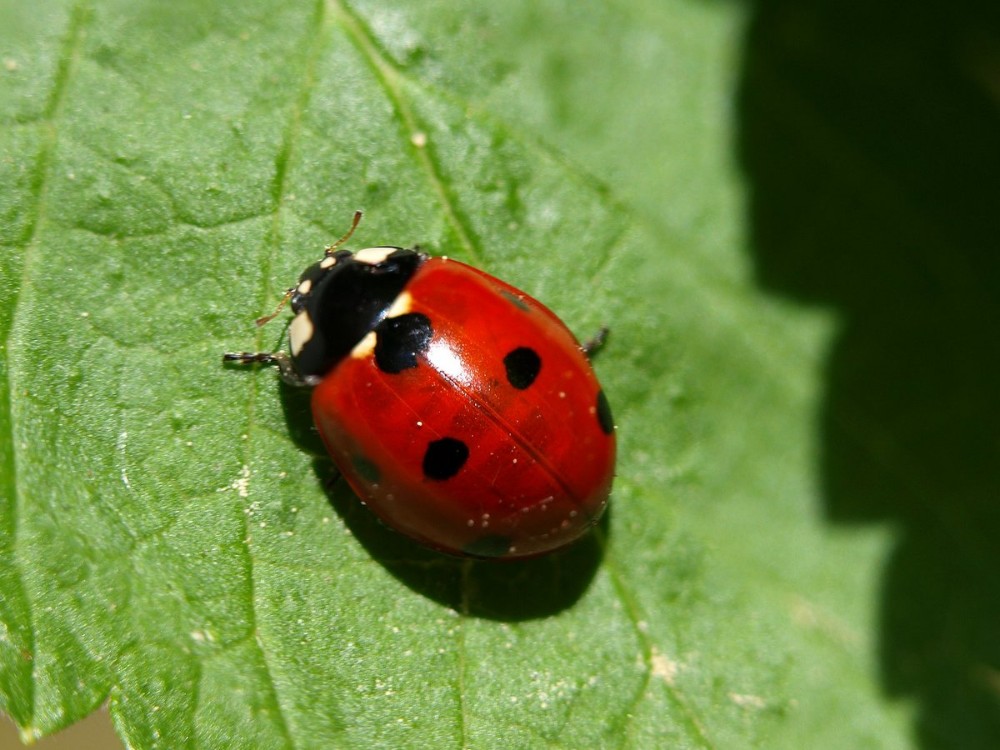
(459, 409)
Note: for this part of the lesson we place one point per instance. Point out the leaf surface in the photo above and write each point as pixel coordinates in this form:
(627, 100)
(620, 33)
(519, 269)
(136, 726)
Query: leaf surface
(169, 538)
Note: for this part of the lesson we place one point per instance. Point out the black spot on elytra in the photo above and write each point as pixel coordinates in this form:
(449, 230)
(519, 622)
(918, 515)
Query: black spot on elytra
(604, 417)
(365, 469)
(445, 458)
(523, 365)
(400, 340)
(488, 546)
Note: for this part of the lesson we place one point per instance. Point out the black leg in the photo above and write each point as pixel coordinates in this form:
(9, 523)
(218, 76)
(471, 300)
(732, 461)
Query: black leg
(590, 348)
(285, 367)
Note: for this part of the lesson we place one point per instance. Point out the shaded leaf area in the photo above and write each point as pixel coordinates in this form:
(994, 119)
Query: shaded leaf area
(870, 139)
(167, 540)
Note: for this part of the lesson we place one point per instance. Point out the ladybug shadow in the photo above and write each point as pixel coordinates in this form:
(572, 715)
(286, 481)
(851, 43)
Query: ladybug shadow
(508, 591)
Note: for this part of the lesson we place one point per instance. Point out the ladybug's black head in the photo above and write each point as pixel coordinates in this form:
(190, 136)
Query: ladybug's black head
(342, 298)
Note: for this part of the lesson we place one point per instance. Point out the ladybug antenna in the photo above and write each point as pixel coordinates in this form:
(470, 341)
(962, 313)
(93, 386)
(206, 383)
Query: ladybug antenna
(354, 225)
(263, 319)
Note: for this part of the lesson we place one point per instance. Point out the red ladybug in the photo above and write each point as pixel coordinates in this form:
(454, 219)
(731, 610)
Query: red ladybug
(459, 409)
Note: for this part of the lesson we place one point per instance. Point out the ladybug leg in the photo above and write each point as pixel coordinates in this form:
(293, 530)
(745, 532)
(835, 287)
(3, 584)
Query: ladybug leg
(282, 360)
(333, 480)
(594, 345)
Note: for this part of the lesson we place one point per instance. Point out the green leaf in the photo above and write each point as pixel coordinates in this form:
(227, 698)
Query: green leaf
(169, 540)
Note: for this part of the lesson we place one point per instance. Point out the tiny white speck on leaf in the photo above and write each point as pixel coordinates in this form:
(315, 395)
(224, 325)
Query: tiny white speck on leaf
(664, 667)
(202, 636)
(241, 484)
(748, 701)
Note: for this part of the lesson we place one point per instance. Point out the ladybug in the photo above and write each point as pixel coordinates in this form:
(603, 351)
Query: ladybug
(460, 410)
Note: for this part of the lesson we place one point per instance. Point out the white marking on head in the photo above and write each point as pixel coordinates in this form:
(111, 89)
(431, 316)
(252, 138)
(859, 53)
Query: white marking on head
(364, 348)
(328, 262)
(305, 287)
(300, 332)
(374, 255)
(400, 306)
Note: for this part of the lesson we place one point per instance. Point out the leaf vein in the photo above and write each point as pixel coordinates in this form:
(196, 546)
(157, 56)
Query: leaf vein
(283, 162)
(696, 727)
(65, 68)
(392, 79)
